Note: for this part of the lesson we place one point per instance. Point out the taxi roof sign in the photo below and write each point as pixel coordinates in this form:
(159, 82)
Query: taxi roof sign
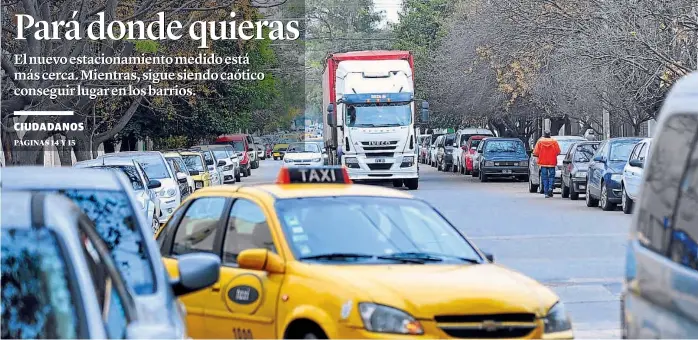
(323, 174)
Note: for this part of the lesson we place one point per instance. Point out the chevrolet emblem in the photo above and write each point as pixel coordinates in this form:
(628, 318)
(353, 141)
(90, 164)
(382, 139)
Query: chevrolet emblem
(489, 325)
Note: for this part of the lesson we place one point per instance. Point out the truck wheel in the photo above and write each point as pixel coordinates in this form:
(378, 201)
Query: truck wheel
(412, 183)
(397, 183)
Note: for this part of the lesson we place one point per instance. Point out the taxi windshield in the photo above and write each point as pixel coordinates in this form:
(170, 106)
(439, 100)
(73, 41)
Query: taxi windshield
(374, 227)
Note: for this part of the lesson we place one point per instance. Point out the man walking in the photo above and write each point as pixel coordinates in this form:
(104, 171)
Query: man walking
(546, 150)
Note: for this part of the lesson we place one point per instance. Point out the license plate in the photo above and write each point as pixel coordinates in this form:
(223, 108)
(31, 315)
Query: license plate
(380, 160)
(506, 172)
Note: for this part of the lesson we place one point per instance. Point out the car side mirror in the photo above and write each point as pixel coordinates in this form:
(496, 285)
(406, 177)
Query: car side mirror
(209, 162)
(636, 163)
(261, 259)
(196, 271)
(489, 256)
(599, 159)
(330, 115)
(194, 172)
(181, 177)
(154, 184)
(566, 161)
(221, 163)
(425, 112)
(250, 149)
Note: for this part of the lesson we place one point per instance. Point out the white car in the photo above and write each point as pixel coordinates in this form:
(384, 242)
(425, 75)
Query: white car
(157, 168)
(177, 162)
(303, 154)
(216, 176)
(631, 178)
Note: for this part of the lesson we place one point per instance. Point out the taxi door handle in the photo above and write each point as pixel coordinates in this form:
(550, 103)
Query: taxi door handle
(216, 287)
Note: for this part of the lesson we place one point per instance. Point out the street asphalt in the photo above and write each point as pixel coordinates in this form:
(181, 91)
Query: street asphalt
(577, 251)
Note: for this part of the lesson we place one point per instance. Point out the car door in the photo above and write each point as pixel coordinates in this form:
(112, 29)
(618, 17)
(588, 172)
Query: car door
(596, 170)
(246, 300)
(478, 156)
(151, 193)
(567, 165)
(195, 228)
(631, 174)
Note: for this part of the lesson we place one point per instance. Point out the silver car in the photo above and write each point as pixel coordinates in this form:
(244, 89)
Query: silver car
(534, 174)
(107, 199)
(143, 187)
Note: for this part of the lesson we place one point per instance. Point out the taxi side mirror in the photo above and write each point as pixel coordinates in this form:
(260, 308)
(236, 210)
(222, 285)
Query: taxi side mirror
(489, 257)
(196, 272)
(261, 259)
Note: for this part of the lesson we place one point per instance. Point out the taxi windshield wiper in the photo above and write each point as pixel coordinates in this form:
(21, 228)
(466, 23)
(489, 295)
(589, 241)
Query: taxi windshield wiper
(430, 257)
(337, 256)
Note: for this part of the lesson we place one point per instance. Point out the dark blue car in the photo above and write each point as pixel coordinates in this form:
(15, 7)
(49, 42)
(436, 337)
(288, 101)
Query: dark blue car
(605, 170)
(503, 157)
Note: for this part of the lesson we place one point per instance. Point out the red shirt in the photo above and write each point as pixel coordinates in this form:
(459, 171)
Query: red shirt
(546, 150)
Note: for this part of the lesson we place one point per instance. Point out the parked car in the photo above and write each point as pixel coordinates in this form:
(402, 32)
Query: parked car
(108, 201)
(259, 146)
(58, 278)
(143, 187)
(234, 158)
(476, 158)
(177, 163)
(659, 295)
(534, 174)
(605, 171)
(459, 151)
(444, 154)
(242, 144)
(267, 150)
(574, 168)
(157, 168)
(222, 161)
(196, 164)
(503, 157)
(213, 169)
(632, 175)
(469, 151)
(434, 150)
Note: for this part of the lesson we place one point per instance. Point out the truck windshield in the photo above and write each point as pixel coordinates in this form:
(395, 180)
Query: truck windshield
(379, 115)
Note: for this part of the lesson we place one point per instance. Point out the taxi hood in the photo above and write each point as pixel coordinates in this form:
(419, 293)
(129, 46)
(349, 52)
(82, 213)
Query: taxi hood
(428, 290)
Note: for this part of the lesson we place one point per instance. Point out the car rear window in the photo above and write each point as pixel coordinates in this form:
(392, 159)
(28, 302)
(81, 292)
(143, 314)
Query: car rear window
(117, 224)
(39, 300)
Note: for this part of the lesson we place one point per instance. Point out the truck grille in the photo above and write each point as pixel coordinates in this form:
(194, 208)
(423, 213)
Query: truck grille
(493, 326)
(380, 166)
(380, 154)
(385, 145)
(507, 163)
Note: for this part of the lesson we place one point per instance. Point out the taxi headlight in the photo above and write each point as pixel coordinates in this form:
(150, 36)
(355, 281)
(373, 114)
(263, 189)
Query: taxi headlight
(580, 174)
(489, 163)
(557, 319)
(384, 319)
(616, 177)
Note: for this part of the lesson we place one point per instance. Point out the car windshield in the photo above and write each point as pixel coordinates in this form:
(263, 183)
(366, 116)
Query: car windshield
(118, 226)
(207, 157)
(449, 140)
(505, 146)
(131, 173)
(621, 151)
(399, 114)
(38, 301)
(475, 142)
(376, 226)
(238, 145)
(154, 166)
(221, 154)
(193, 162)
(433, 138)
(585, 152)
(565, 145)
(303, 148)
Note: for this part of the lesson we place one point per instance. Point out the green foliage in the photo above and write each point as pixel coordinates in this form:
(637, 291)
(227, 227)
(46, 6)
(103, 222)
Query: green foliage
(146, 46)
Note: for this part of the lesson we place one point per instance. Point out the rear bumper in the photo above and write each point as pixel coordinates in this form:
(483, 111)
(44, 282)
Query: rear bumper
(504, 170)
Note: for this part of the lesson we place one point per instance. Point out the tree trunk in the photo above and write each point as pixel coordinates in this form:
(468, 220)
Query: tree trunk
(556, 125)
(82, 149)
(109, 146)
(568, 126)
(65, 154)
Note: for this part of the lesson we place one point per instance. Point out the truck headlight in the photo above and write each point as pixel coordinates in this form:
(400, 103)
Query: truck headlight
(351, 160)
(580, 174)
(489, 163)
(557, 319)
(384, 319)
(408, 159)
(616, 177)
(317, 159)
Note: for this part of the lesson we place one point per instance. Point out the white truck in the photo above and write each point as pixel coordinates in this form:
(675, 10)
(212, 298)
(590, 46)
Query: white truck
(370, 122)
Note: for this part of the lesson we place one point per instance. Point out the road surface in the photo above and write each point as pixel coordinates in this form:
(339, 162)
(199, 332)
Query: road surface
(577, 251)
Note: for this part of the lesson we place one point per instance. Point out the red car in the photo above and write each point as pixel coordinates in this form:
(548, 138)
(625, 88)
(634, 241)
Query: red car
(469, 151)
(267, 150)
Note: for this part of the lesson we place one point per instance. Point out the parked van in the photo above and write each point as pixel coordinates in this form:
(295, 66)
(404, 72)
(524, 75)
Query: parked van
(246, 149)
(660, 298)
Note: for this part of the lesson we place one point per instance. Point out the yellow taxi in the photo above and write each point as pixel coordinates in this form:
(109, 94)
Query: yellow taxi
(314, 256)
(279, 150)
(196, 164)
